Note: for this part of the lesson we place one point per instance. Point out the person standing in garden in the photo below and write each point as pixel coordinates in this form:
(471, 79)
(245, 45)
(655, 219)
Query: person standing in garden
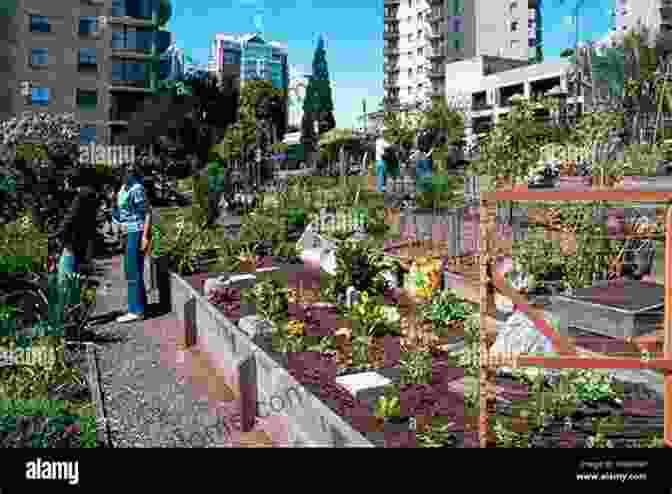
(134, 216)
(423, 162)
(79, 227)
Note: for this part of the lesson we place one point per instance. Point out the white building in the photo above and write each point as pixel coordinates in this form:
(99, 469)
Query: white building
(490, 82)
(298, 83)
(654, 14)
(422, 36)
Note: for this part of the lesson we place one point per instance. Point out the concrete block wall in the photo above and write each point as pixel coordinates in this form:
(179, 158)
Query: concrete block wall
(303, 419)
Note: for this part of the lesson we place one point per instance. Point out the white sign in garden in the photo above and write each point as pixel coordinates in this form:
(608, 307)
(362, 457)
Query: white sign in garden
(110, 155)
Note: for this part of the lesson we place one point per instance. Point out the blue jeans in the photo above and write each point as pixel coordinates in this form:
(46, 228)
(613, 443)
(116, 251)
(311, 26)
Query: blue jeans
(134, 266)
(68, 264)
(380, 176)
(423, 175)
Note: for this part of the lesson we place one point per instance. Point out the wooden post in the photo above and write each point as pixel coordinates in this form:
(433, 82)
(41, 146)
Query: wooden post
(667, 335)
(190, 331)
(487, 374)
(247, 384)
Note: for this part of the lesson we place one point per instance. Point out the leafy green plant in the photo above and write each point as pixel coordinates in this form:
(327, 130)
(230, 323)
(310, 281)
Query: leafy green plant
(416, 367)
(347, 255)
(389, 405)
(436, 436)
(599, 440)
(469, 358)
(590, 385)
(373, 319)
(444, 307)
(271, 299)
(507, 438)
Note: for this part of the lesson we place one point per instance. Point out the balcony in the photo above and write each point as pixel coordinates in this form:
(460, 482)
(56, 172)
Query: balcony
(434, 33)
(391, 16)
(436, 72)
(435, 52)
(389, 50)
(481, 106)
(394, 34)
(666, 13)
(435, 15)
(130, 85)
(391, 67)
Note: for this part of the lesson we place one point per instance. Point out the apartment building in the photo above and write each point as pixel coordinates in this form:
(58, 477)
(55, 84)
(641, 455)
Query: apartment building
(654, 14)
(422, 37)
(298, 83)
(248, 57)
(491, 82)
(94, 58)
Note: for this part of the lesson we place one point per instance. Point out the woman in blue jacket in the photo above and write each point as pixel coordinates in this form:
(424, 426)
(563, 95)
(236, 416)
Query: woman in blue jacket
(134, 216)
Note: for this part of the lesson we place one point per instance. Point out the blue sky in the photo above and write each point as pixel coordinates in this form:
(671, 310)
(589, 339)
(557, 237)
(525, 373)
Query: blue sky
(354, 37)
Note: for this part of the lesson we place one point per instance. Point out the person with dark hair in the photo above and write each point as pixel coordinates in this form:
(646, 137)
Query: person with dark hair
(79, 227)
(423, 161)
(134, 216)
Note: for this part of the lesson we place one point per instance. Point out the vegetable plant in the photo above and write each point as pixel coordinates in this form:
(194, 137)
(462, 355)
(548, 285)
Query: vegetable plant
(416, 367)
(443, 308)
(373, 319)
(271, 299)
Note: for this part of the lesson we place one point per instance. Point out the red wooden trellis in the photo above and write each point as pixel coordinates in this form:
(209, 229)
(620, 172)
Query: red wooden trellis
(491, 281)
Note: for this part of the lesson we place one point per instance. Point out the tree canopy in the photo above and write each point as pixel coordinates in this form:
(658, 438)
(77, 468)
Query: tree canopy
(318, 102)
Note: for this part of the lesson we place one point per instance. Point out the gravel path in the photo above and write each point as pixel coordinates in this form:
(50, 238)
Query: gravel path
(155, 395)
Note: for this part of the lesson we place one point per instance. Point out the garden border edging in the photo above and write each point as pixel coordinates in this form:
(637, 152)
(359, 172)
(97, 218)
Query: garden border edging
(312, 424)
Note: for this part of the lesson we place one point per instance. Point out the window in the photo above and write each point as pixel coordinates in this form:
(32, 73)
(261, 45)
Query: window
(87, 135)
(532, 42)
(514, 26)
(410, 37)
(39, 95)
(39, 57)
(420, 52)
(419, 34)
(119, 40)
(457, 7)
(87, 58)
(514, 43)
(39, 24)
(410, 4)
(513, 6)
(87, 99)
(229, 58)
(128, 71)
(457, 44)
(87, 25)
(118, 8)
(410, 72)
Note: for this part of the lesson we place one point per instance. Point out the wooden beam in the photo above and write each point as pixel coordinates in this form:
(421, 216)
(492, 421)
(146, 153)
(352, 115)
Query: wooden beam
(563, 362)
(608, 194)
(667, 335)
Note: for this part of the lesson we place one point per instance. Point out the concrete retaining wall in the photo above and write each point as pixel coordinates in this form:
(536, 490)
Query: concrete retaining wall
(304, 421)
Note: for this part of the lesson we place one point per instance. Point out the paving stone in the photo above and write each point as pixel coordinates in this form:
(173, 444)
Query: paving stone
(364, 386)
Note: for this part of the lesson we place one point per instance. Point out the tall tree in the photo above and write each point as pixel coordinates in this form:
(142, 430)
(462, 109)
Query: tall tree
(318, 101)
(195, 119)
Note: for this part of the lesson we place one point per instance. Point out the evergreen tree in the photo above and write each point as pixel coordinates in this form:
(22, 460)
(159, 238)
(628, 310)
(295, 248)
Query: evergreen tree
(318, 101)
